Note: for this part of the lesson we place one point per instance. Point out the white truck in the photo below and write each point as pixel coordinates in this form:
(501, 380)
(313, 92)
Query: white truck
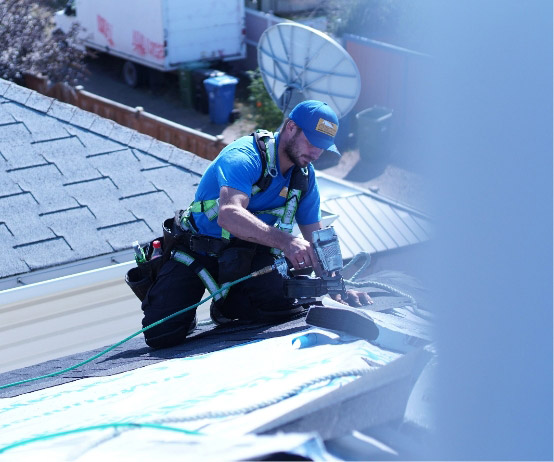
(159, 34)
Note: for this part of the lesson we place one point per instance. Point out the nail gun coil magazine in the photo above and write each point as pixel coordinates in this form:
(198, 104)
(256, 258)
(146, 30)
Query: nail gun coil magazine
(326, 245)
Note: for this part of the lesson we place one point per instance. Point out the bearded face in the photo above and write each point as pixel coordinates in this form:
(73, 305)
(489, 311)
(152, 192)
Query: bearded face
(299, 150)
(291, 150)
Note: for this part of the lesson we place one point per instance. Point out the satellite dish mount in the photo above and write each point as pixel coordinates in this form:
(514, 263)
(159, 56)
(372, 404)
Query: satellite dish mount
(299, 63)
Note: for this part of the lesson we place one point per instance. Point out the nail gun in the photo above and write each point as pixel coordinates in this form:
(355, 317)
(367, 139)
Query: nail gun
(330, 281)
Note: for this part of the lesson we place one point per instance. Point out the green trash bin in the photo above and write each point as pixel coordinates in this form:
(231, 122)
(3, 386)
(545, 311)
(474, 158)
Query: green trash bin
(373, 130)
(186, 83)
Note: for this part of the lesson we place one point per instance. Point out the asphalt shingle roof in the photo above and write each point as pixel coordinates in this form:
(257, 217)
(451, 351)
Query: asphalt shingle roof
(75, 185)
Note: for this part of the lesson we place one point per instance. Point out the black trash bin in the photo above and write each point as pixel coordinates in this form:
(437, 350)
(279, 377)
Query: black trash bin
(373, 133)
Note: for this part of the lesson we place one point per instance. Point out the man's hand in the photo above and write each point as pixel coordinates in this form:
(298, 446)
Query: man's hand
(301, 254)
(354, 298)
(235, 218)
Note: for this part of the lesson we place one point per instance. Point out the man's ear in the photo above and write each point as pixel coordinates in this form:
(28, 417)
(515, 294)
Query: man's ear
(291, 127)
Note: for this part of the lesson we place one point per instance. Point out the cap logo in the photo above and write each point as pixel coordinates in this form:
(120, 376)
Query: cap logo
(329, 128)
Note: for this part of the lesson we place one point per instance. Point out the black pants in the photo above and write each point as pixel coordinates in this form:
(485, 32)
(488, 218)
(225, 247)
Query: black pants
(178, 286)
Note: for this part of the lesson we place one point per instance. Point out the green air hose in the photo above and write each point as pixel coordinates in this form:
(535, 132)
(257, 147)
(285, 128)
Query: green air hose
(225, 286)
(160, 423)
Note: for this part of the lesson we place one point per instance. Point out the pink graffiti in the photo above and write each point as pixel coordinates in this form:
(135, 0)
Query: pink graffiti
(105, 28)
(142, 46)
(138, 43)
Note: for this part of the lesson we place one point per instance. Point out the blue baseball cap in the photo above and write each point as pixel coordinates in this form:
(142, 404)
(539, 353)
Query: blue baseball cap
(318, 122)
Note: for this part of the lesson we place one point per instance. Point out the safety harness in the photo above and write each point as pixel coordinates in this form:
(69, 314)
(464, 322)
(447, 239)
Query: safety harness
(298, 184)
(285, 214)
(206, 278)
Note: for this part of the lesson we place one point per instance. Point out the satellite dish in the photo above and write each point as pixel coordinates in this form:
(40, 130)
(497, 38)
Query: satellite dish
(298, 63)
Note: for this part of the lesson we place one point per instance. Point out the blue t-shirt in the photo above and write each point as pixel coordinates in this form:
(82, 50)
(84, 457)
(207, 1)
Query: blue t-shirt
(239, 166)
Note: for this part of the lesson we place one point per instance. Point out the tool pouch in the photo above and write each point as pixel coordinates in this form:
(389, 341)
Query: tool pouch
(141, 277)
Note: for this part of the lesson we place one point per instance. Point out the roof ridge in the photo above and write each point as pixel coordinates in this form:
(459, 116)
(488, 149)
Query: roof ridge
(69, 114)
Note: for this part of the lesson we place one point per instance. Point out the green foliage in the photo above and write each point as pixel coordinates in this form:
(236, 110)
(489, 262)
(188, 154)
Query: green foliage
(30, 44)
(266, 113)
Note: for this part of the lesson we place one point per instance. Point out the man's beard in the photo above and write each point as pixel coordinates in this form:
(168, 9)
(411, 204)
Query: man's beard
(293, 155)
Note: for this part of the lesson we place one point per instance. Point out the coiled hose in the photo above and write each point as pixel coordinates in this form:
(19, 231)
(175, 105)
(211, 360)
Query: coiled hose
(378, 285)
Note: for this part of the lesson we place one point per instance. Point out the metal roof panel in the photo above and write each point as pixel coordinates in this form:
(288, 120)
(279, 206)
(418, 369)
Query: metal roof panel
(350, 232)
(368, 222)
(398, 227)
(382, 215)
(413, 225)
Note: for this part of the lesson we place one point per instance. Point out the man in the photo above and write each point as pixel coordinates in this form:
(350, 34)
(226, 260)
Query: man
(240, 219)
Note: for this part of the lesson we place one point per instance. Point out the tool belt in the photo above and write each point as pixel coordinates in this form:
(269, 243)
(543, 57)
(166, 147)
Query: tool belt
(178, 239)
(141, 278)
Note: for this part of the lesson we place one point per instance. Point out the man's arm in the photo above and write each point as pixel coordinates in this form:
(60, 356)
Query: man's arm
(234, 217)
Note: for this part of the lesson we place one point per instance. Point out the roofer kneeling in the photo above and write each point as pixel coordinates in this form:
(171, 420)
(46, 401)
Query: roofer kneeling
(240, 221)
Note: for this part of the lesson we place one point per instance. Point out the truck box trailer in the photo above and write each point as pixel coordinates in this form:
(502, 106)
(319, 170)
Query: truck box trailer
(159, 34)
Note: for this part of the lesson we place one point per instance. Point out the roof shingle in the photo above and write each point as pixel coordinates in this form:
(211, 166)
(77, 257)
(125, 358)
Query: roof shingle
(75, 185)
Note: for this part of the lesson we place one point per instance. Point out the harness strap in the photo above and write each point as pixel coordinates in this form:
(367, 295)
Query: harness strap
(266, 144)
(210, 208)
(285, 222)
(204, 275)
(265, 141)
(182, 219)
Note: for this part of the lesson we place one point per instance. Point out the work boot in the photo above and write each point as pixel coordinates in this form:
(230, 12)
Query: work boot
(218, 317)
